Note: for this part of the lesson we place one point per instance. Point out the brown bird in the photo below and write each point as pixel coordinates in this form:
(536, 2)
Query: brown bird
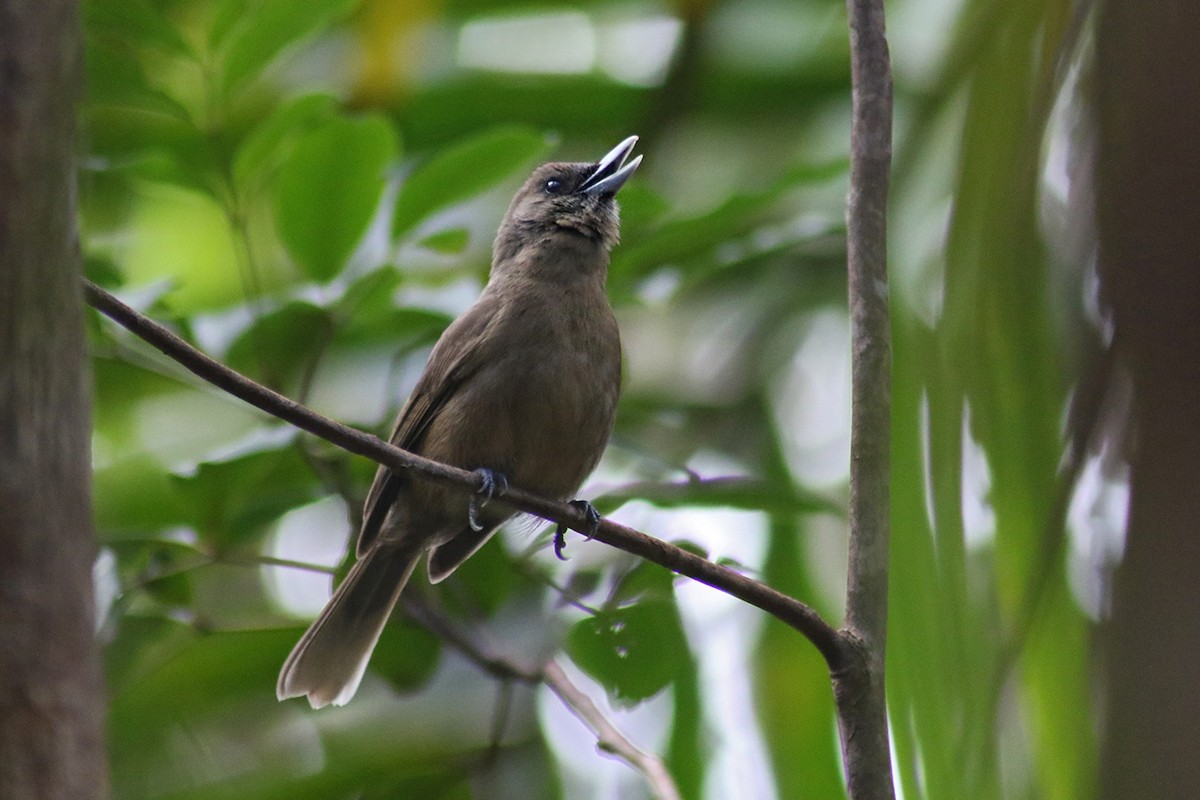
(522, 387)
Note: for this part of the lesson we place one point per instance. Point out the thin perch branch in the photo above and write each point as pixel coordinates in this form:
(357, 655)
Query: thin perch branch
(787, 609)
(859, 689)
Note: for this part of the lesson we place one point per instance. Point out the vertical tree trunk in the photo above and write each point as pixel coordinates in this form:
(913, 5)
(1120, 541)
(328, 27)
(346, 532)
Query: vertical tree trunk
(858, 684)
(1149, 221)
(51, 698)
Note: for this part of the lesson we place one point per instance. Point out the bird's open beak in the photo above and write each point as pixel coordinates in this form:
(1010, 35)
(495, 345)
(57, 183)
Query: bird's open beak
(611, 172)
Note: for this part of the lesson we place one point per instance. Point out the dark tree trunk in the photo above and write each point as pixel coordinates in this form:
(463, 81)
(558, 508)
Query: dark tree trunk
(1149, 221)
(51, 694)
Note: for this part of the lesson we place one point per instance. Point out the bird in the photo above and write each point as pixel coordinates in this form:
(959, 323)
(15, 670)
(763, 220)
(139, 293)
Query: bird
(521, 388)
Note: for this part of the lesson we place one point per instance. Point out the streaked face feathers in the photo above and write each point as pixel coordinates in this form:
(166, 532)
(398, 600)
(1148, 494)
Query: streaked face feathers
(571, 199)
(550, 202)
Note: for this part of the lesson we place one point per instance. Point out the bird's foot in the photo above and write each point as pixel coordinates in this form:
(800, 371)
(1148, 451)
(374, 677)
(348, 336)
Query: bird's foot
(593, 524)
(490, 484)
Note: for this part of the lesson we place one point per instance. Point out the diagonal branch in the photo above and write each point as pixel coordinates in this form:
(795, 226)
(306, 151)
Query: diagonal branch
(794, 613)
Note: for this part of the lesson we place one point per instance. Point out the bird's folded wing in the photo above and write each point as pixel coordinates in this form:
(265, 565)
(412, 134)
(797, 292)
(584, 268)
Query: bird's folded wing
(457, 356)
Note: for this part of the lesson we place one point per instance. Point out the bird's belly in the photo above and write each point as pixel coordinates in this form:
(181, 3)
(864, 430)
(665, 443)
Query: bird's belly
(542, 421)
(559, 418)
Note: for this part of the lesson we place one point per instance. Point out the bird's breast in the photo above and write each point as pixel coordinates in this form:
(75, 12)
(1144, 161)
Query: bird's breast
(542, 407)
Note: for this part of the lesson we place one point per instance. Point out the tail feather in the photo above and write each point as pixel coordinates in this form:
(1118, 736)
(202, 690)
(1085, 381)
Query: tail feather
(328, 662)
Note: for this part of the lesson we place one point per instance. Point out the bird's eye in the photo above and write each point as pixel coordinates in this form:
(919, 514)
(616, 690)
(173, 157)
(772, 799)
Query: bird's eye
(553, 186)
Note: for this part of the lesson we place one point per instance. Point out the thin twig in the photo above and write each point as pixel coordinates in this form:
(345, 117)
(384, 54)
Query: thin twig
(608, 738)
(802, 617)
(470, 645)
(272, 561)
(500, 715)
(726, 490)
(859, 690)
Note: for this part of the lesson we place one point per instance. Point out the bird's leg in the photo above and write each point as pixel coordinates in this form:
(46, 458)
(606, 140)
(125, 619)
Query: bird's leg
(490, 484)
(560, 533)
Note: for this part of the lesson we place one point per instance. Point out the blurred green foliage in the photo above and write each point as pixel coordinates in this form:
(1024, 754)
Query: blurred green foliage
(308, 191)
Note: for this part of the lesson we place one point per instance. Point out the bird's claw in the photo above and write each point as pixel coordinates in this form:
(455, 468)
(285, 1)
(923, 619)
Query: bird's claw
(490, 484)
(591, 515)
(593, 524)
(560, 541)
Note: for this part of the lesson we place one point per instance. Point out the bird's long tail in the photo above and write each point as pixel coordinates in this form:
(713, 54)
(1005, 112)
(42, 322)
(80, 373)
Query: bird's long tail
(328, 662)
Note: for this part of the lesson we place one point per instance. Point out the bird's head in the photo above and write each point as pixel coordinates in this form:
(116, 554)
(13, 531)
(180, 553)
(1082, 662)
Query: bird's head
(568, 204)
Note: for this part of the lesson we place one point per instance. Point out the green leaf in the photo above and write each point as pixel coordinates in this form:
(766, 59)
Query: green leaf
(696, 238)
(232, 496)
(146, 139)
(266, 145)
(145, 560)
(253, 34)
(641, 206)
(328, 189)
(171, 590)
(407, 655)
(688, 748)
(791, 679)
(133, 497)
(281, 343)
(645, 582)
(134, 20)
(226, 15)
(368, 294)
(448, 242)
(205, 674)
(367, 314)
(116, 78)
(138, 641)
(485, 580)
(463, 171)
(634, 652)
(102, 270)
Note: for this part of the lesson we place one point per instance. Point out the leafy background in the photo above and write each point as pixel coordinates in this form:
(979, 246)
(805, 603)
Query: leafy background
(308, 191)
